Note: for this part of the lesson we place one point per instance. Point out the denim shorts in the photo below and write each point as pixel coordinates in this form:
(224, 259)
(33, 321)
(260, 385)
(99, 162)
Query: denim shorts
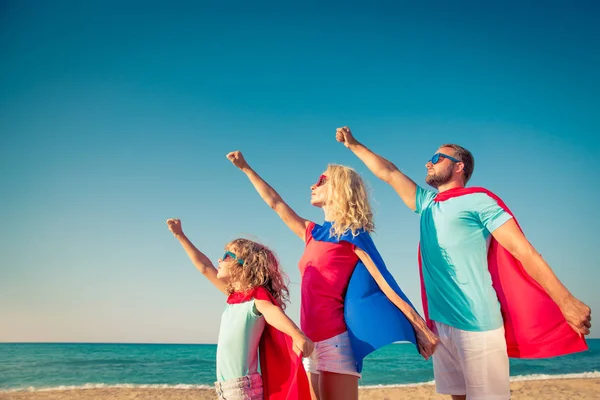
(247, 387)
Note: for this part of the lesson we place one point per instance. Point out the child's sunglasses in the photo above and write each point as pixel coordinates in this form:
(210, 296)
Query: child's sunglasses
(440, 156)
(230, 254)
(321, 181)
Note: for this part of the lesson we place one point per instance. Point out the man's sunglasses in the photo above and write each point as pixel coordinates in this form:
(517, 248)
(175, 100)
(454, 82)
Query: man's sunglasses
(440, 156)
(230, 254)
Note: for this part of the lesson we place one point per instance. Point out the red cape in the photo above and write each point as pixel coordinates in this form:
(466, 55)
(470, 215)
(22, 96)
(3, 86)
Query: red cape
(283, 374)
(534, 325)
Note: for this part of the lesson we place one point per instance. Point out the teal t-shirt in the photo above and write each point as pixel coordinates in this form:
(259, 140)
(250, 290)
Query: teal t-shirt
(455, 237)
(239, 335)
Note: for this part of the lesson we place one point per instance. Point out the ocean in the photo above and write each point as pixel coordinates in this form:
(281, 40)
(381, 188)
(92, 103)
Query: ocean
(39, 366)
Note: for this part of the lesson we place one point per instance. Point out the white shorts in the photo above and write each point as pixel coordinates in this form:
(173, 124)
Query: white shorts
(332, 355)
(471, 363)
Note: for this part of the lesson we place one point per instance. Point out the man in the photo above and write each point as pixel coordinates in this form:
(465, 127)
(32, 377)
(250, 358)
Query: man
(469, 241)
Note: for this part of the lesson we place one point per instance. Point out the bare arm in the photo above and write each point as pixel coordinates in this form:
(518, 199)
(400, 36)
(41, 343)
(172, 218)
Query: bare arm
(275, 317)
(425, 338)
(577, 314)
(270, 196)
(200, 261)
(382, 168)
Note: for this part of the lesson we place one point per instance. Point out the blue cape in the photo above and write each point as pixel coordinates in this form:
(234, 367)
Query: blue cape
(372, 320)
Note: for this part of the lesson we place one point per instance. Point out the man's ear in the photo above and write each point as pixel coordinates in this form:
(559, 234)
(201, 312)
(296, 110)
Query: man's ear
(459, 167)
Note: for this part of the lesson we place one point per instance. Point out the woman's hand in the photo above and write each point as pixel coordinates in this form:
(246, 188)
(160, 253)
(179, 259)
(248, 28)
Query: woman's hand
(426, 342)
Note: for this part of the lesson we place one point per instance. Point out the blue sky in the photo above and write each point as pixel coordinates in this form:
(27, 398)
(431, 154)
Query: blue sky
(116, 117)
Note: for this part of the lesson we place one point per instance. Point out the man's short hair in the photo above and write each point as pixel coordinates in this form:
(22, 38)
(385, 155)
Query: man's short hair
(465, 157)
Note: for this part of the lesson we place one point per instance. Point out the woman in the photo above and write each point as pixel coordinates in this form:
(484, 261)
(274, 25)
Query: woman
(337, 252)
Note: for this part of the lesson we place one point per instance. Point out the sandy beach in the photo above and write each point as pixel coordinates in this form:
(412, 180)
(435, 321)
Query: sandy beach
(557, 389)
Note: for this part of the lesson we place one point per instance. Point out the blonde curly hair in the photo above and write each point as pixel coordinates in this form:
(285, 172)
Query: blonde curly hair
(260, 268)
(348, 201)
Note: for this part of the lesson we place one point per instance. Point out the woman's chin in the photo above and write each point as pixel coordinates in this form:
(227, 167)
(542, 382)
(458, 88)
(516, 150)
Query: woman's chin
(316, 203)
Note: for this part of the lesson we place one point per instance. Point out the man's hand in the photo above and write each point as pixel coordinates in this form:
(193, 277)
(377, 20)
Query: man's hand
(344, 135)
(237, 159)
(577, 314)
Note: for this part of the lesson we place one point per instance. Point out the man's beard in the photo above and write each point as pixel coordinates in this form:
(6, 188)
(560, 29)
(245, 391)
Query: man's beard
(436, 180)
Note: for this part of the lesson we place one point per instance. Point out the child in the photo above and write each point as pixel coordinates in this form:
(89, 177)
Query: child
(250, 276)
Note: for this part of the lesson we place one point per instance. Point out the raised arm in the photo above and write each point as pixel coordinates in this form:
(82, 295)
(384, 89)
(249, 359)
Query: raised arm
(382, 168)
(270, 196)
(426, 339)
(201, 262)
(577, 313)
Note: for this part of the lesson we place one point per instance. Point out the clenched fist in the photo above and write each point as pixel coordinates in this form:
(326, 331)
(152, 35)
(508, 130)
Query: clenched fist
(174, 225)
(578, 315)
(237, 159)
(344, 135)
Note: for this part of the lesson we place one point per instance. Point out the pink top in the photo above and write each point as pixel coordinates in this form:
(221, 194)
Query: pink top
(326, 269)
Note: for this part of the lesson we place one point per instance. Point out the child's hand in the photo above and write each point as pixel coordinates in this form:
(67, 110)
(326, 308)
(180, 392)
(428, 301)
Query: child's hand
(303, 345)
(426, 342)
(175, 226)
(237, 159)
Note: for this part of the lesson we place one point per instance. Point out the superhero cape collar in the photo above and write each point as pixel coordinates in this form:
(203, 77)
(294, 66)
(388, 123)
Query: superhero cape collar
(242, 297)
(458, 191)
